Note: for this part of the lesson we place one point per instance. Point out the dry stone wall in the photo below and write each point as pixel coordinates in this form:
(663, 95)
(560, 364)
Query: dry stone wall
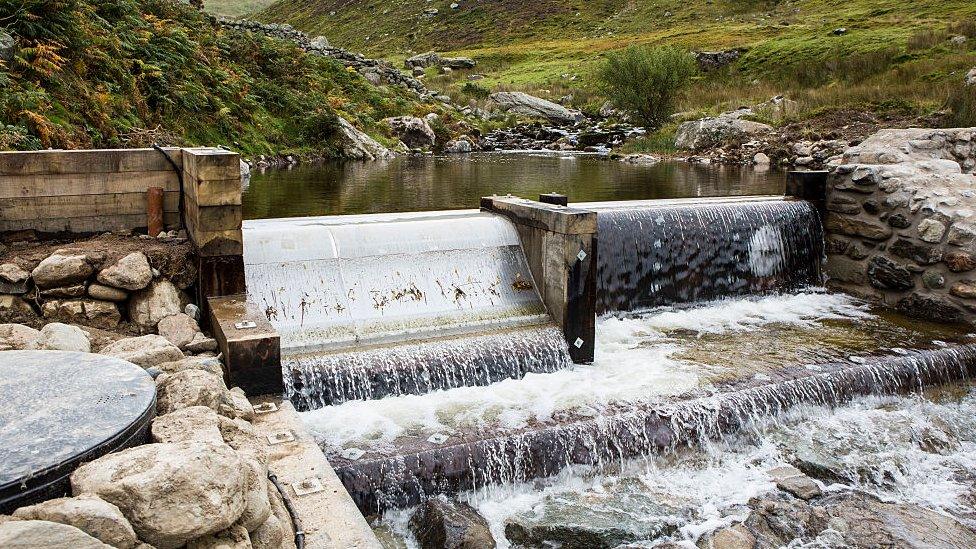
(901, 222)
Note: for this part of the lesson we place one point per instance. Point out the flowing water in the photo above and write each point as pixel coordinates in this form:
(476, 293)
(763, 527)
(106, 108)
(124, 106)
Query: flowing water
(425, 183)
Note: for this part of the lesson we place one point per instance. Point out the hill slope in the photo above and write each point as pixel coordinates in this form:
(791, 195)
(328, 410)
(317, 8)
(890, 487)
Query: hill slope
(891, 51)
(87, 73)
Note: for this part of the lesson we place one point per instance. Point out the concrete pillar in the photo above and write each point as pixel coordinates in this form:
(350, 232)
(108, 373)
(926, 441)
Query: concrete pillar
(250, 345)
(560, 245)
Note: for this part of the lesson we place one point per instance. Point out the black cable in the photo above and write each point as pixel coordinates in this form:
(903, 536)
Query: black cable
(179, 175)
(296, 522)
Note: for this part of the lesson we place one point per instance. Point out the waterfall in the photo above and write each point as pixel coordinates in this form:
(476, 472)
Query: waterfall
(654, 253)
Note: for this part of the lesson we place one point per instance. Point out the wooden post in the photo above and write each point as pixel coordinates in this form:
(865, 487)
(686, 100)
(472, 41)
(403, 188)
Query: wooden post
(154, 215)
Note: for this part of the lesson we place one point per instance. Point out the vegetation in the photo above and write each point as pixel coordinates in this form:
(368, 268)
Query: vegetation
(645, 81)
(235, 8)
(892, 55)
(107, 73)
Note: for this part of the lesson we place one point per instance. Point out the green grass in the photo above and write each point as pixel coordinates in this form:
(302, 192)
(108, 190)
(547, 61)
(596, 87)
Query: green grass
(236, 8)
(113, 73)
(891, 51)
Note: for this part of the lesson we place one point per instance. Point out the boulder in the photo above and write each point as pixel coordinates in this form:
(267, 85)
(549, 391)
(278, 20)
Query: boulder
(444, 524)
(257, 507)
(146, 351)
(179, 329)
(62, 337)
(131, 272)
(865, 228)
(235, 537)
(885, 274)
(13, 279)
(621, 512)
(58, 270)
(356, 145)
(8, 45)
(931, 230)
(207, 364)
(102, 314)
(192, 388)
(170, 493)
(194, 423)
(414, 132)
(14, 309)
(733, 537)
(711, 132)
(201, 344)
(18, 337)
(279, 512)
(158, 301)
(269, 535)
(38, 534)
(319, 42)
(107, 293)
(64, 292)
(971, 77)
(458, 146)
(90, 514)
(528, 105)
(793, 481)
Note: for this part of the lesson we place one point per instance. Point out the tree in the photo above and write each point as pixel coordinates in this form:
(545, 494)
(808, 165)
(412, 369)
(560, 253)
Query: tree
(646, 81)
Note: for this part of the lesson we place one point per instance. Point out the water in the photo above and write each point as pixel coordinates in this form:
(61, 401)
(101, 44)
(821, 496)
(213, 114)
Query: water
(661, 253)
(424, 183)
(908, 449)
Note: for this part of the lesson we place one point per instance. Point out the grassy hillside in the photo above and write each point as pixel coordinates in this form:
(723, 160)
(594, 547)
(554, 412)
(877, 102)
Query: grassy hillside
(893, 53)
(111, 73)
(235, 8)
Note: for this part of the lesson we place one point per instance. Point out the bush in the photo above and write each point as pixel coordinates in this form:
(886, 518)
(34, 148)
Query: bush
(646, 82)
(474, 90)
(962, 106)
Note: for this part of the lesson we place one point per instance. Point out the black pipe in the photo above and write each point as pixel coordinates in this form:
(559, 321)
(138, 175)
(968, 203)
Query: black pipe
(296, 522)
(179, 175)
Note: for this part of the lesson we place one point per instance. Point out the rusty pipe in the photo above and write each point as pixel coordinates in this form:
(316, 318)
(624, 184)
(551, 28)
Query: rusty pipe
(154, 210)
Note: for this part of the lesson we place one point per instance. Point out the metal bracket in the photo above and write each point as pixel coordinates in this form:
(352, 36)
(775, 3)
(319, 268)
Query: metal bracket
(281, 437)
(578, 343)
(265, 408)
(311, 485)
(245, 325)
(581, 255)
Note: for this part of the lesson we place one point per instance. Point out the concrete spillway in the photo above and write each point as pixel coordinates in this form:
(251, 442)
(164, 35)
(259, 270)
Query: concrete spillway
(663, 252)
(372, 305)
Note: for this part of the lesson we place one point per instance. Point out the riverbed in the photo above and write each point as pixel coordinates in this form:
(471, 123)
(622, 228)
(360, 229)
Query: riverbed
(424, 183)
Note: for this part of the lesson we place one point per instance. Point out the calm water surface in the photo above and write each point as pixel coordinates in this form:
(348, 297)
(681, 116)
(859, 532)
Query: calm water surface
(419, 183)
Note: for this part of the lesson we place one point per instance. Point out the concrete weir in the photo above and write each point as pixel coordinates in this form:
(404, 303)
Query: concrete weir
(371, 305)
(422, 469)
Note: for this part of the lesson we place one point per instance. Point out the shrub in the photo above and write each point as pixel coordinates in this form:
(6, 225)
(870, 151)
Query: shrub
(474, 90)
(646, 82)
(962, 106)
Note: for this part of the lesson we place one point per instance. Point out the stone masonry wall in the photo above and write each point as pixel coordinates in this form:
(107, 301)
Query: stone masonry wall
(901, 222)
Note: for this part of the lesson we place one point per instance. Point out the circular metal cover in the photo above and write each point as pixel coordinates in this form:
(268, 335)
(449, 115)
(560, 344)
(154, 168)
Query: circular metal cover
(61, 409)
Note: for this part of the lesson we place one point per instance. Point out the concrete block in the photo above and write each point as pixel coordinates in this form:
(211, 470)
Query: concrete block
(250, 345)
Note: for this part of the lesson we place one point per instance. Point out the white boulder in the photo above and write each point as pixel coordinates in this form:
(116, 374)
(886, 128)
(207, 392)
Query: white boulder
(146, 351)
(63, 337)
(90, 514)
(131, 272)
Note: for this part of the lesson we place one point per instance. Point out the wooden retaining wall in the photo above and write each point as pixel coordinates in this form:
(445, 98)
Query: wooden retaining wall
(85, 191)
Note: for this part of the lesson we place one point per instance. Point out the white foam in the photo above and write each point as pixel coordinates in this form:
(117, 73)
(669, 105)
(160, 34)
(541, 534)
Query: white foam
(634, 362)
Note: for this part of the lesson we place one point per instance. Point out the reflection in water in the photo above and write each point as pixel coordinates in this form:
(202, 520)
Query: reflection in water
(419, 183)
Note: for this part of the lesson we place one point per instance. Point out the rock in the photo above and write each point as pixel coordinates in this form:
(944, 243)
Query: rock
(131, 272)
(962, 234)
(760, 159)
(414, 132)
(158, 301)
(431, 59)
(885, 274)
(62, 337)
(443, 524)
(269, 535)
(41, 534)
(13, 279)
(841, 203)
(319, 42)
(839, 31)
(58, 270)
(206, 364)
(458, 146)
(971, 77)
(958, 40)
(279, 512)
(733, 537)
(899, 221)
(869, 229)
(192, 311)
(18, 337)
(240, 406)
(201, 344)
(931, 230)
(64, 292)
(357, 145)
(933, 280)
(102, 314)
(8, 45)
(920, 253)
(959, 262)
(929, 308)
(778, 108)
(15, 309)
(193, 388)
(88, 513)
(711, 132)
(179, 329)
(194, 423)
(792, 480)
(107, 293)
(621, 513)
(528, 105)
(235, 537)
(965, 289)
(712, 60)
(257, 507)
(170, 493)
(640, 159)
(146, 351)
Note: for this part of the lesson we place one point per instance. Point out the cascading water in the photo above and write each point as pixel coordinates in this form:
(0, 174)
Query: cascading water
(373, 305)
(654, 253)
